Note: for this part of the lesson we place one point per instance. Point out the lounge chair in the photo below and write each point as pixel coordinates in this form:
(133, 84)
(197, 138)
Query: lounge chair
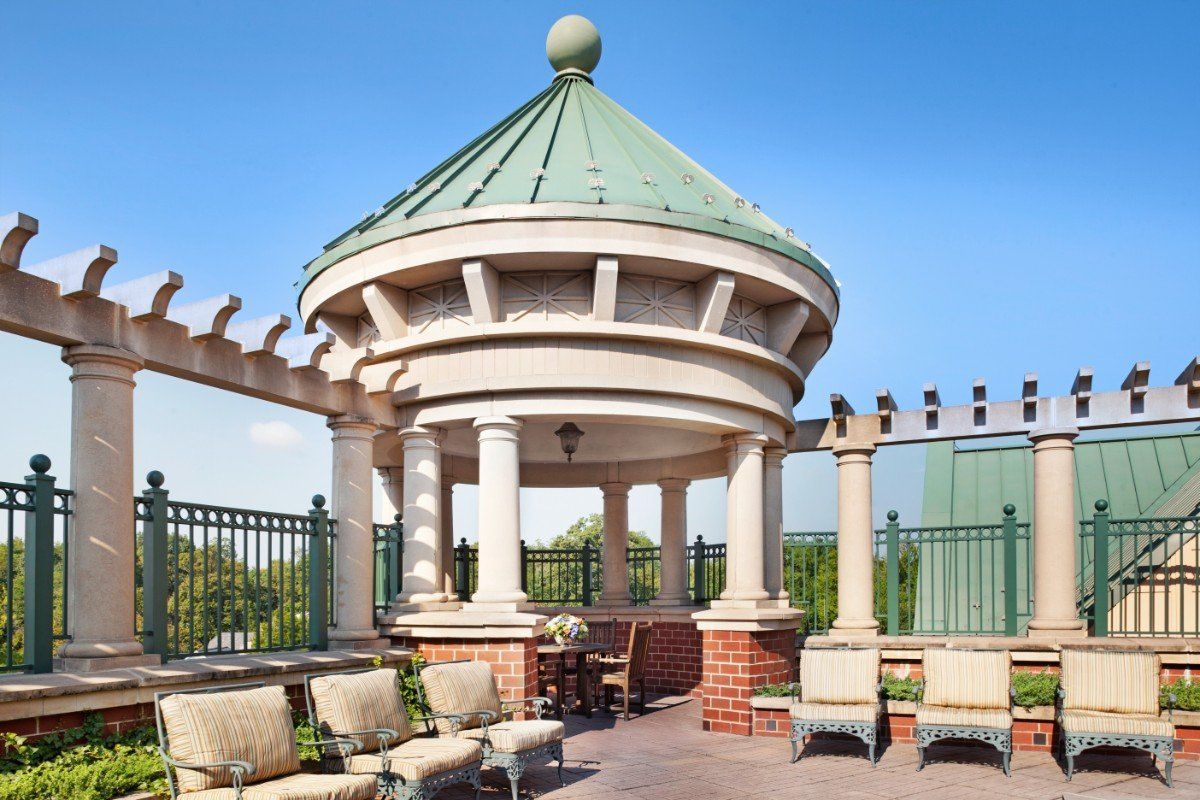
(838, 693)
(1111, 698)
(238, 743)
(965, 694)
(366, 705)
(467, 689)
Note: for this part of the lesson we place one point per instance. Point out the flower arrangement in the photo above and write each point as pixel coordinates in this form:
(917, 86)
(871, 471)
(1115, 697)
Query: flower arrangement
(566, 628)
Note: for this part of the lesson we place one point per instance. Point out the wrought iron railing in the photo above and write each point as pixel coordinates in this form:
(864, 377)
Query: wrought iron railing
(389, 570)
(810, 577)
(34, 522)
(1140, 577)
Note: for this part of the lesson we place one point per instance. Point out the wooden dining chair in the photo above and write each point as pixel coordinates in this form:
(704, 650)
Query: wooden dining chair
(628, 669)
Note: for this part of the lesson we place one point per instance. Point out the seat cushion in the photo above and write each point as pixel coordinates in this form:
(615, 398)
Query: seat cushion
(1116, 682)
(298, 787)
(361, 701)
(1104, 723)
(515, 737)
(844, 712)
(844, 676)
(948, 717)
(418, 759)
(458, 687)
(967, 678)
(253, 725)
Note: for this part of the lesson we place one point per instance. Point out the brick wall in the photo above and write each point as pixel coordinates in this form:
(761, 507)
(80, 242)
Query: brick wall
(734, 664)
(514, 661)
(674, 663)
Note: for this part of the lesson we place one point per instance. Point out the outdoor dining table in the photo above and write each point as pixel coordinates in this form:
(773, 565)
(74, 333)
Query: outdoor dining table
(581, 650)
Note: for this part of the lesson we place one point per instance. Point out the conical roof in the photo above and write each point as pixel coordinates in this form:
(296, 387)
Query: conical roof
(570, 151)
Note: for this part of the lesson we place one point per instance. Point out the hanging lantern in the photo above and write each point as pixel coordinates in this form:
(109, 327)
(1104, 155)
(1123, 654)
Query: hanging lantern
(568, 435)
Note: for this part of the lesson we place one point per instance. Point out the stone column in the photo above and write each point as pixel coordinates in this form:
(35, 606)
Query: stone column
(615, 591)
(354, 553)
(392, 480)
(446, 542)
(1054, 611)
(855, 542)
(730, 519)
(100, 580)
(422, 517)
(745, 512)
(773, 522)
(499, 514)
(673, 545)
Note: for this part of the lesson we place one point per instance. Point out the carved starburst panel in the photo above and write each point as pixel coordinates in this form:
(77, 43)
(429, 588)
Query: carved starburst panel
(546, 295)
(438, 307)
(745, 320)
(368, 334)
(656, 301)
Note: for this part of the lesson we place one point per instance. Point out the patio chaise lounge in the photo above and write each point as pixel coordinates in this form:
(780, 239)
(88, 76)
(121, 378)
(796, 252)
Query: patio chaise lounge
(467, 689)
(366, 705)
(965, 694)
(1111, 698)
(238, 743)
(838, 693)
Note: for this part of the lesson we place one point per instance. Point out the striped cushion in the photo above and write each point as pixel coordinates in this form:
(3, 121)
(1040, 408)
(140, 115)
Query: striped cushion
(253, 725)
(418, 759)
(857, 712)
(840, 676)
(514, 737)
(1129, 724)
(299, 787)
(358, 702)
(947, 717)
(1115, 682)
(458, 687)
(967, 678)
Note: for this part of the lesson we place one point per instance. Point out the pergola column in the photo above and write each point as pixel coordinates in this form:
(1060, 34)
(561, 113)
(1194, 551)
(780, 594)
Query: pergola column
(745, 517)
(499, 513)
(392, 480)
(102, 541)
(1054, 610)
(855, 542)
(446, 541)
(615, 590)
(354, 588)
(773, 522)
(422, 516)
(673, 545)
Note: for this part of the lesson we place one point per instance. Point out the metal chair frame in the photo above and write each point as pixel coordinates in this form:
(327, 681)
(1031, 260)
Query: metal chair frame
(240, 769)
(513, 764)
(1075, 743)
(391, 785)
(1000, 738)
(868, 732)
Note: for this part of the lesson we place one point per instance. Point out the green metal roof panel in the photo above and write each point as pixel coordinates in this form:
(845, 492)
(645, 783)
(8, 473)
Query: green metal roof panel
(572, 146)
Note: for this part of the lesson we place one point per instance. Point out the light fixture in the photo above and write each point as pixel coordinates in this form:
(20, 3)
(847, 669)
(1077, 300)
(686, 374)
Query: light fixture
(568, 436)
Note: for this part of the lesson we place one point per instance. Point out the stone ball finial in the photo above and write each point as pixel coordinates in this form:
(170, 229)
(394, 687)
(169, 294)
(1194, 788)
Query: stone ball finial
(40, 463)
(1009, 509)
(573, 45)
(1102, 505)
(893, 516)
(155, 478)
(318, 501)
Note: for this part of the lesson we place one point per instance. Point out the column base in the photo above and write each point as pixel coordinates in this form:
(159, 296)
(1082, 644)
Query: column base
(765, 602)
(399, 607)
(614, 600)
(856, 627)
(420, 598)
(523, 607)
(683, 599)
(72, 664)
(1052, 629)
(464, 624)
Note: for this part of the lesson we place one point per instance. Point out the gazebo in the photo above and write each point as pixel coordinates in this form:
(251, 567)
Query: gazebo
(570, 267)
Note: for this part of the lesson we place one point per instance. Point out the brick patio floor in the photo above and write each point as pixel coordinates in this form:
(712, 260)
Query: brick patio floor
(665, 756)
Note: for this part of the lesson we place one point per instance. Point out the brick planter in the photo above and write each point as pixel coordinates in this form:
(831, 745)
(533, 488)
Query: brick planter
(514, 662)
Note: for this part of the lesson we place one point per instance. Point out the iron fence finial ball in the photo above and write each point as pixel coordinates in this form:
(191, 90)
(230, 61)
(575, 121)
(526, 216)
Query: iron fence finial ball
(893, 516)
(155, 478)
(1009, 509)
(40, 463)
(318, 501)
(1102, 505)
(398, 517)
(573, 43)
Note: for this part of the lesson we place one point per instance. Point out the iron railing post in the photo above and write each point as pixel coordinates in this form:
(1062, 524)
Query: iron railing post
(892, 543)
(462, 562)
(318, 576)
(154, 567)
(395, 558)
(698, 572)
(586, 564)
(1100, 569)
(1009, 531)
(39, 568)
(524, 567)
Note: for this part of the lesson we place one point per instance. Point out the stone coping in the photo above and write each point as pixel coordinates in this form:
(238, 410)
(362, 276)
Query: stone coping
(1173, 650)
(17, 688)
(627, 613)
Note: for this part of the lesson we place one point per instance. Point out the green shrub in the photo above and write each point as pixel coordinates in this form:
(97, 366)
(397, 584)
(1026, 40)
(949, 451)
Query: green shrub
(897, 688)
(1034, 688)
(1187, 694)
(408, 687)
(774, 690)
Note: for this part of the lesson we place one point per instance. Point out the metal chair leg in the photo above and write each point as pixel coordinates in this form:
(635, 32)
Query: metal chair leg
(1168, 763)
(920, 758)
(871, 753)
(1070, 766)
(1006, 755)
(514, 782)
(795, 750)
(561, 781)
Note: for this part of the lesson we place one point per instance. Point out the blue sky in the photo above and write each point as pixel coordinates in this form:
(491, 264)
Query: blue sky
(1000, 188)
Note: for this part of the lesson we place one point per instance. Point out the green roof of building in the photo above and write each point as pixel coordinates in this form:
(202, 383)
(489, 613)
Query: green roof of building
(573, 152)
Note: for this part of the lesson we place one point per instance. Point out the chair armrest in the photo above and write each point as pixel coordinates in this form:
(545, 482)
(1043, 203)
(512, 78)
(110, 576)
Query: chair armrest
(240, 769)
(341, 743)
(1012, 699)
(793, 690)
(1170, 706)
(456, 720)
(919, 692)
(539, 704)
(613, 659)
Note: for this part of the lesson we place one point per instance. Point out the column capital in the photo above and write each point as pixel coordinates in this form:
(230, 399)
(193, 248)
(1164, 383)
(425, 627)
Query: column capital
(497, 423)
(448, 482)
(615, 489)
(1053, 437)
(102, 362)
(390, 475)
(744, 442)
(420, 436)
(850, 453)
(674, 484)
(351, 426)
(773, 456)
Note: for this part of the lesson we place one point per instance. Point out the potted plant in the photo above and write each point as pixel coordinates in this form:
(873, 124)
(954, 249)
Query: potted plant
(567, 629)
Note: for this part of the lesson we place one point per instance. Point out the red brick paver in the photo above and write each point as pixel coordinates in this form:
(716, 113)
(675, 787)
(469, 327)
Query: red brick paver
(666, 756)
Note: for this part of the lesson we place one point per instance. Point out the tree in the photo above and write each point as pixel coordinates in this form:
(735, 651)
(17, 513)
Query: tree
(554, 571)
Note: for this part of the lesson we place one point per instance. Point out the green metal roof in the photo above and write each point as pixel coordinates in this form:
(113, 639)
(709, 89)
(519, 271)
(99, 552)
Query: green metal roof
(572, 152)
